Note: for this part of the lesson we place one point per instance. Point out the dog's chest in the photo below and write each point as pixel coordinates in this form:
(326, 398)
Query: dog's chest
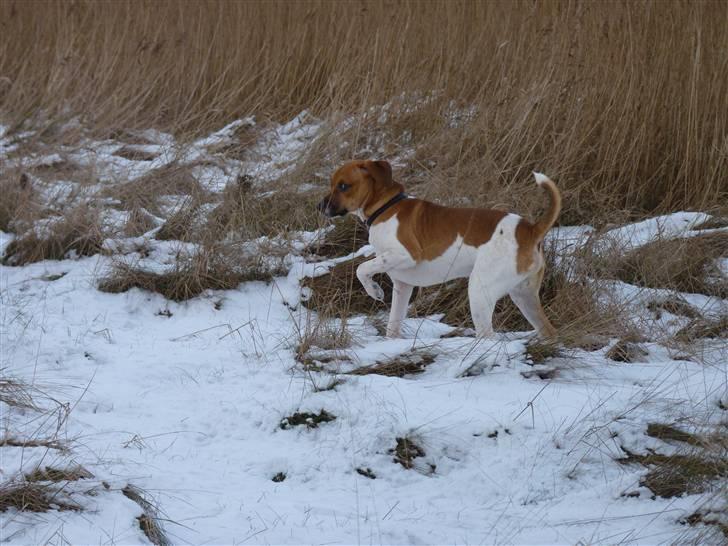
(455, 262)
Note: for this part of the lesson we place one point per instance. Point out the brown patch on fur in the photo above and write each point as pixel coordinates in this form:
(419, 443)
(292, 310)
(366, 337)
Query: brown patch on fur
(427, 230)
(527, 240)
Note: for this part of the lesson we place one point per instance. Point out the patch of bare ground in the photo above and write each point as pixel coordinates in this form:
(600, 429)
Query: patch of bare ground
(307, 419)
(220, 267)
(78, 231)
(406, 450)
(411, 363)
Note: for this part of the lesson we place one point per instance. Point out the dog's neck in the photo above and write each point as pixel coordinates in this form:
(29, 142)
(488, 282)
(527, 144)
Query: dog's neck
(379, 201)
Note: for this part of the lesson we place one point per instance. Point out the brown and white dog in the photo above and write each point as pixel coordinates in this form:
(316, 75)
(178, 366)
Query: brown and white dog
(419, 243)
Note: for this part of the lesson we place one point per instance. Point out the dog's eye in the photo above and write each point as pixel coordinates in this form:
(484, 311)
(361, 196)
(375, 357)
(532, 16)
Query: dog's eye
(343, 186)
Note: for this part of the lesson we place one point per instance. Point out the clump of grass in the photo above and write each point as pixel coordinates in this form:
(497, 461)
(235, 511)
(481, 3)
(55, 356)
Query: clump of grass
(626, 350)
(245, 214)
(18, 199)
(27, 496)
(701, 462)
(307, 419)
(667, 432)
(675, 305)
(673, 475)
(208, 268)
(347, 236)
(139, 222)
(134, 153)
(144, 192)
(78, 231)
(685, 265)
(279, 477)
(406, 451)
(411, 363)
(178, 226)
(51, 474)
(539, 351)
(712, 327)
(149, 521)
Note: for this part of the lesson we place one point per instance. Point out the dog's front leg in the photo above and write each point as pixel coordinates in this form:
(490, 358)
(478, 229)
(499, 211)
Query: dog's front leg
(401, 293)
(379, 264)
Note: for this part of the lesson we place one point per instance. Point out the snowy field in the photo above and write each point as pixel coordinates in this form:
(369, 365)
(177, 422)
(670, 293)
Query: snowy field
(187, 403)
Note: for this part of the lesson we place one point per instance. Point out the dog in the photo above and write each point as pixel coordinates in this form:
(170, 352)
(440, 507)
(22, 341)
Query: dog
(419, 243)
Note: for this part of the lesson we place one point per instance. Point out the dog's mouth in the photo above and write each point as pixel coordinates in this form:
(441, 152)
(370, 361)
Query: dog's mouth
(329, 209)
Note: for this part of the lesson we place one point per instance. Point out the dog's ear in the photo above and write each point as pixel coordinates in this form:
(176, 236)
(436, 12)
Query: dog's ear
(380, 170)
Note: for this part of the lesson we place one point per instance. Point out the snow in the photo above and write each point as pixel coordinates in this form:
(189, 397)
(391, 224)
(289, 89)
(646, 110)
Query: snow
(186, 406)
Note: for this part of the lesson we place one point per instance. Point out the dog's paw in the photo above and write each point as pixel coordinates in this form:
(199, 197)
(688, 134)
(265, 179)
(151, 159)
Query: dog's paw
(375, 291)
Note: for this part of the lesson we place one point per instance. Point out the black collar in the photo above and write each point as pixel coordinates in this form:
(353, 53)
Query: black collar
(396, 199)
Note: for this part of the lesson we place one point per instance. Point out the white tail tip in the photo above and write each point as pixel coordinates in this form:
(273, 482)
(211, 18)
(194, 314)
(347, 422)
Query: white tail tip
(541, 178)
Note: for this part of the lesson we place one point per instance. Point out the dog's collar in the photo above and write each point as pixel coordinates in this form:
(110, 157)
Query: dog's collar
(394, 200)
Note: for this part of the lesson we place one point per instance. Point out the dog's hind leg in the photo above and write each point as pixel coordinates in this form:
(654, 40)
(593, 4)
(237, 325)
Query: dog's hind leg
(525, 296)
(491, 279)
(401, 293)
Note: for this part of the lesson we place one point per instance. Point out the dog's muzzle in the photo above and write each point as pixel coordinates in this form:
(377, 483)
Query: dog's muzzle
(328, 209)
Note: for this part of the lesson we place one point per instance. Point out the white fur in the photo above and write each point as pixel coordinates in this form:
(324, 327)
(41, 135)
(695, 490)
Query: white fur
(491, 268)
(541, 178)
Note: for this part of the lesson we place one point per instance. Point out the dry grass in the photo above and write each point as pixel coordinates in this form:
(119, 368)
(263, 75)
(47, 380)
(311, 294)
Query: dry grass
(18, 203)
(710, 327)
(51, 474)
(685, 265)
(28, 496)
(78, 230)
(307, 419)
(144, 192)
(208, 268)
(502, 87)
(411, 363)
(149, 521)
(699, 463)
(339, 293)
(347, 236)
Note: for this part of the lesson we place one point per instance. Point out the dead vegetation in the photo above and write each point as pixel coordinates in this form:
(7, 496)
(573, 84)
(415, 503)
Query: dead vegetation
(406, 451)
(208, 268)
(339, 293)
(411, 363)
(347, 235)
(532, 96)
(55, 475)
(78, 231)
(18, 202)
(307, 419)
(704, 327)
(698, 464)
(30, 496)
(149, 521)
(627, 350)
(683, 264)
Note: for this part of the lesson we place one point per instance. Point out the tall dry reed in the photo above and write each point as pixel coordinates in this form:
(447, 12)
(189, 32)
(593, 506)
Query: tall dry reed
(625, 102)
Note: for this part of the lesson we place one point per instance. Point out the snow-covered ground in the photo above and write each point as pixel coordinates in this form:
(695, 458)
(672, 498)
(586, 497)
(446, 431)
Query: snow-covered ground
(184, 401)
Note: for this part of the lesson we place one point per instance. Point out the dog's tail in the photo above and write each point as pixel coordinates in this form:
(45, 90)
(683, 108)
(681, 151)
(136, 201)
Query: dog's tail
(548, 218)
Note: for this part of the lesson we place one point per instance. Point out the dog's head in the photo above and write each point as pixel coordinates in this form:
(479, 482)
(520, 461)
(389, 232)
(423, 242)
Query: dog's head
(356, 185)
